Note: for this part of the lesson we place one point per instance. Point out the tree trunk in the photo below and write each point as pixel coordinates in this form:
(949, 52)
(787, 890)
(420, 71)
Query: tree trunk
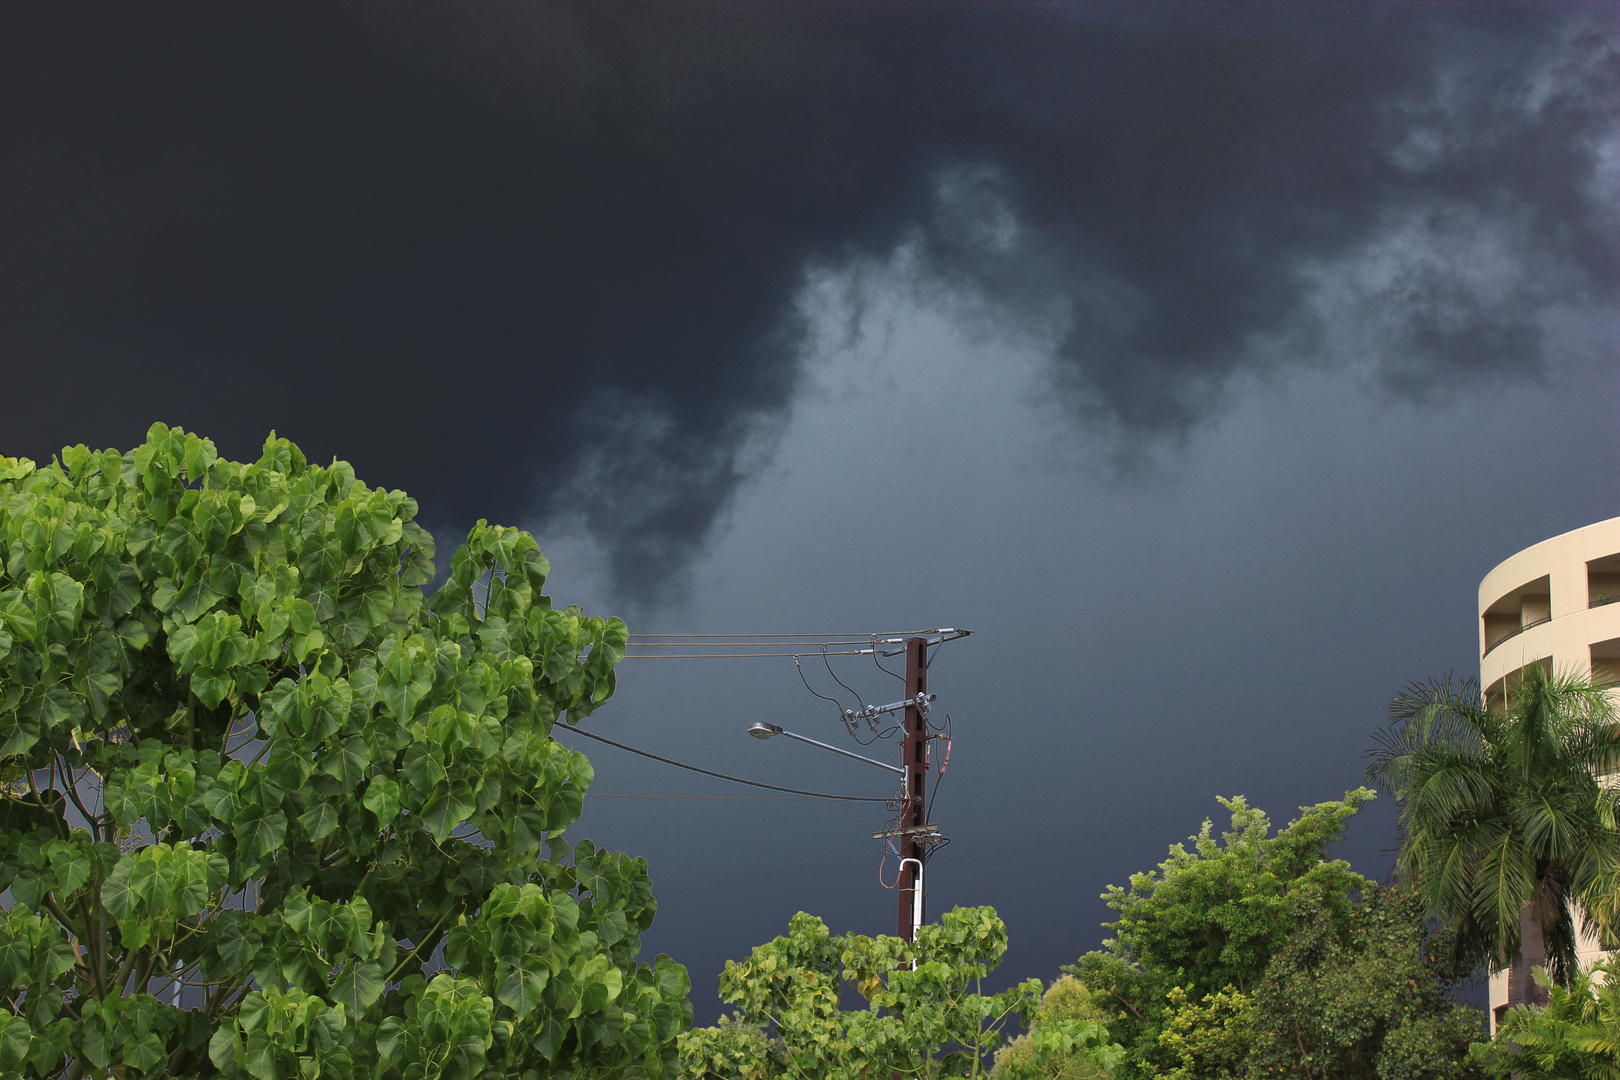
(1522, 986)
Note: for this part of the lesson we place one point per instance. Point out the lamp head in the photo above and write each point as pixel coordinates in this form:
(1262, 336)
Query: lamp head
(764, 731)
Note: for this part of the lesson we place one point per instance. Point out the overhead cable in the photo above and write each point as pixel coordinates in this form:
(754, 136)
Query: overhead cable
(733, 798)
(701, 646)
(854, 636)
(723, 776)
(731, 656)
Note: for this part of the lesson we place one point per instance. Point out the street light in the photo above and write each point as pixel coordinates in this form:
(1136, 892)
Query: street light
(766, 731)
(761, 730)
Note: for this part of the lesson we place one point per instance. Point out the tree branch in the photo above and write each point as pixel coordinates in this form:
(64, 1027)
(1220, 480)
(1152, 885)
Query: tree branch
(221, 995)
(39, 801)
(143, 973)
(121, 978)
(73, 793)
(418, 948)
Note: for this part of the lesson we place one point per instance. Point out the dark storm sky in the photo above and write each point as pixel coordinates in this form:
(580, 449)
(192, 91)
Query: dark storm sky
(1202, 358)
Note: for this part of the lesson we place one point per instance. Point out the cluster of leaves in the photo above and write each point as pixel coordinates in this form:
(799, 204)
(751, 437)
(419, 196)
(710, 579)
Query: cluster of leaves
(1256, 956)
(922, 998)
(1354, 996)
(1577, 1033)
(1067, 1040)
(258, 784)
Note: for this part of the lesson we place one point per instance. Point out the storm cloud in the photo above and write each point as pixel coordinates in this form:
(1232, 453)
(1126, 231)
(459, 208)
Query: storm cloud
(542, 262)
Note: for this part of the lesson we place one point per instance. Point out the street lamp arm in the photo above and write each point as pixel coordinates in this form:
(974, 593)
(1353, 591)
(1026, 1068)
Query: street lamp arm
(765, 731)
(846, 753)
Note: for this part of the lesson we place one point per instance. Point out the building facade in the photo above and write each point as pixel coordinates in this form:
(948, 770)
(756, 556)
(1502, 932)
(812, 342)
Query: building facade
(1553, 605)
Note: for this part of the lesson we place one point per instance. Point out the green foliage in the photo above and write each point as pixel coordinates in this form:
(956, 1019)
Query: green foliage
(1505, 814)
(788, 1021)
(1211, 917)
(1254, 955)
(1363, 994)
(1208, 1039)
(731, 1050)
(243, 750)
(1577, 1034)
(1067, 1040)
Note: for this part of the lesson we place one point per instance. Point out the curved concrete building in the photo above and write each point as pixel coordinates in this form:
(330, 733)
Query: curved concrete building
(1554, 604)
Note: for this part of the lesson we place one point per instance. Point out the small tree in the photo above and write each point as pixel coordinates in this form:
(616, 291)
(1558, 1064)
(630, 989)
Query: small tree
(1210, 918)
(788, 1022)
(1365, 995)
(272, 812)
(1069, 1014)
(1257, 956)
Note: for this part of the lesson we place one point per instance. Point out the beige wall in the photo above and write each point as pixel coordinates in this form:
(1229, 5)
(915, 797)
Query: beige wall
(1568, 638)
(1565, 642)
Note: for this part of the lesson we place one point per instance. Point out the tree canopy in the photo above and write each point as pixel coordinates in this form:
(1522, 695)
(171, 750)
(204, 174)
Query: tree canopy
(926, 1014)
(1255, 955)
(271, 809)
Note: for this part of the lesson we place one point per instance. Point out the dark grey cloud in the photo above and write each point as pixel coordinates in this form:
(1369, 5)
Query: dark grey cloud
(539, 261)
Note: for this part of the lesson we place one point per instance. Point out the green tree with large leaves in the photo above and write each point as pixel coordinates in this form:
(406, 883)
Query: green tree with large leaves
(926, 1014)
(271, 811)
(1507, 824)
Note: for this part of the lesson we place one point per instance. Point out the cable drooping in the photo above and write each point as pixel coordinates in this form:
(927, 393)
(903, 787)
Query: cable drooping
(928, 808)
(843, 717)
(836, 679)
(723, 776)
(880, 666)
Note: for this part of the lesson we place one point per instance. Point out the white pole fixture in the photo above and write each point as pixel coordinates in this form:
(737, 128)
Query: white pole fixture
(916, 903)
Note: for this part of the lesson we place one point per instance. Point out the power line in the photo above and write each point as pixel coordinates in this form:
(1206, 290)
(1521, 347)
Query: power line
(802, 646)
(741, 798)
(733, 656)
(855, 635)
(779, 646)
(723, 776)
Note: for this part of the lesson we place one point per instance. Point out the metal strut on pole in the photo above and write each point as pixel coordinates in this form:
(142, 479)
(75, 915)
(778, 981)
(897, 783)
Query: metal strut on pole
(914, 758)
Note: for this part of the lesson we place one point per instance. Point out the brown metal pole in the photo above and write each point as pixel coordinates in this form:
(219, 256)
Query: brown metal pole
(914, 757)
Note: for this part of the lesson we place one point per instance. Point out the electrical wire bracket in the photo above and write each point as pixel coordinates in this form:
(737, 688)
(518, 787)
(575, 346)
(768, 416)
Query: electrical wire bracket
(872, 712)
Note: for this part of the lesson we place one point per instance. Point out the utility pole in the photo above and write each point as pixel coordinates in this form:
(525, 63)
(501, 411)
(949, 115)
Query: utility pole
(914, 758)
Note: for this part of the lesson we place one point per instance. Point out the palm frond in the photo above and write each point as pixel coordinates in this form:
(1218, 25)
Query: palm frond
(1500, 809)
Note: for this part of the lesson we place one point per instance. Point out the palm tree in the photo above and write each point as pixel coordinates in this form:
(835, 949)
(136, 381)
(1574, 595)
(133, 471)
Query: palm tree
(1506, 821)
